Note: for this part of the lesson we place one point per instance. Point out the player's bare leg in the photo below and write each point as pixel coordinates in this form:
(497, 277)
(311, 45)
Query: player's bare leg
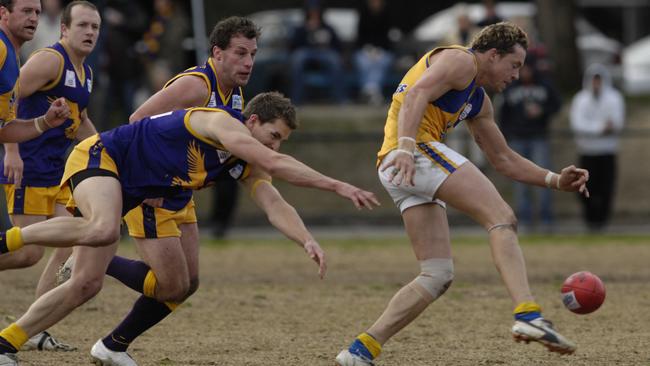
(26, 256)
(168, 275)
(47, 280)
(428, 231)
(99, 199)
(468, 190)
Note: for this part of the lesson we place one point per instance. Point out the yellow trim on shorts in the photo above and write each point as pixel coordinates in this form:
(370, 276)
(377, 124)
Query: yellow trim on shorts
(440, 155)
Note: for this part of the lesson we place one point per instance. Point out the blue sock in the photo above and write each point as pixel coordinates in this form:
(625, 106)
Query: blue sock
(528, 316)
(146, 313)
(359, 349)
(130, 272)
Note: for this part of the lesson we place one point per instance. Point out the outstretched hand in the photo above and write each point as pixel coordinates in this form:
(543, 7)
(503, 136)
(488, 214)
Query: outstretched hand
(315, 252)
(360, 198)
(58, 113)
(574, 179)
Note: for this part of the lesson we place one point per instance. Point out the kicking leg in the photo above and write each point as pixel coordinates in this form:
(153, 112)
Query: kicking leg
(471, 192)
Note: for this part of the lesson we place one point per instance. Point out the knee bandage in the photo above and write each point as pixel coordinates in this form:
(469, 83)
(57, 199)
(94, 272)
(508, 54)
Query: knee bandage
(436, 275)
(512, 227)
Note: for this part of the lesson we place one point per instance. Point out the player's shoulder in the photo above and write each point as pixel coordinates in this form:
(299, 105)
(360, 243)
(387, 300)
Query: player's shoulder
(458, 65)
(188, 87)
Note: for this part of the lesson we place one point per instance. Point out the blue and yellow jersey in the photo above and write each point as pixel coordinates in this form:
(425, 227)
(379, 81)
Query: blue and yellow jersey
(162, 155)
(44, 156)
(441, 115)
(216, 97)
(9, 71)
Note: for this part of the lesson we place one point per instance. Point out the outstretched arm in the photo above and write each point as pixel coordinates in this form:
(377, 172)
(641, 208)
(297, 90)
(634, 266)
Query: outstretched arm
(507, 162)
(237, 139)
(283, 216)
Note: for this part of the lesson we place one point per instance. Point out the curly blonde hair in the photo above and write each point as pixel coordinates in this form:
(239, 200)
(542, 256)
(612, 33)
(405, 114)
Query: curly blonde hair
(503, 36)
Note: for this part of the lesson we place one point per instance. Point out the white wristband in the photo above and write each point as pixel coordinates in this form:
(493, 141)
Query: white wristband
(37, 126)
(406, 138)
(548, 180)
(405, 152)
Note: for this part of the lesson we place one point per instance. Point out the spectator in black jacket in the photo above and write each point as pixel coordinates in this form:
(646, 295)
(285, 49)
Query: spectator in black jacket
(528, 106)
(373, 57)
(316, 56)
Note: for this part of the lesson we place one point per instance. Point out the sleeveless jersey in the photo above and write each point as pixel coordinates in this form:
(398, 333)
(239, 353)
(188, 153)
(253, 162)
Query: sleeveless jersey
(161, 156)
(9, 71)
(215, 99)
(441, 115)
(44, 156)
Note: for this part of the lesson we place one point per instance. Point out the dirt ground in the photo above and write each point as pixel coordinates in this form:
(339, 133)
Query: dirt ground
(261, 303)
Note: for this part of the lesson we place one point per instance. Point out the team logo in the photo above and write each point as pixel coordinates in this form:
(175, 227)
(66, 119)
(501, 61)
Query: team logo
(223, 155)
(465, 113)
(236, 102)
(70, 79)
(236, 171)
(89, 84)
(213, 101)
(401, 88)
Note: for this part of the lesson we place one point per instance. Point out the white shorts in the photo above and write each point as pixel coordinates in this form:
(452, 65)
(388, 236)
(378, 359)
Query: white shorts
(434, 161)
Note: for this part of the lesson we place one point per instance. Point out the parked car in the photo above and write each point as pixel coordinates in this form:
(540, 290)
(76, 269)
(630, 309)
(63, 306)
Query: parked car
(636, 67)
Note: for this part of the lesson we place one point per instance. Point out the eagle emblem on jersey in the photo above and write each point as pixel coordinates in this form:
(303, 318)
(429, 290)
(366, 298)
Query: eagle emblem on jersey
(195, 168)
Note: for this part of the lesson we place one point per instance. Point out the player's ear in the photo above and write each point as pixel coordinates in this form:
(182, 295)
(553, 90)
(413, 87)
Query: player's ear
(250, 122)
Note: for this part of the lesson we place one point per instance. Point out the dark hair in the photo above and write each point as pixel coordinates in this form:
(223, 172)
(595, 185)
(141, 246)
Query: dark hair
(230, 27)
(503, 36)
(66, 17)
(271, 106)
(9, 4)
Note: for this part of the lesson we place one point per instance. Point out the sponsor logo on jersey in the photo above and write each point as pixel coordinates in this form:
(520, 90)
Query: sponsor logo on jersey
(401, 88)
(70, 79)
(223, 155)
(236, 102)
(465, 112)
(89, 84)
(213, 100)
(236, 171)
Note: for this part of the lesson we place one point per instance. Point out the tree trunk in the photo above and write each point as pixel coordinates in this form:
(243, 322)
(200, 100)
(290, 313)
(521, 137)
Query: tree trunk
(555, 19)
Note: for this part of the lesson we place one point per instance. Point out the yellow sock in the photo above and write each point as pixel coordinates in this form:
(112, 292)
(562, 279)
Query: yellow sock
(14, 239)
(15, 335)
(527, 307)
(149, 286)
(172, 305)
(371, 344)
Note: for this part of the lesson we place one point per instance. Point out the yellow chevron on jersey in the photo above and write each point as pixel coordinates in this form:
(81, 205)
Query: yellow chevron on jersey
(440, 115)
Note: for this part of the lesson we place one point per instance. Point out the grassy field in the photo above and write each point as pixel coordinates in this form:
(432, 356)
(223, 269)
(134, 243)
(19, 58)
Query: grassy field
(261, 303)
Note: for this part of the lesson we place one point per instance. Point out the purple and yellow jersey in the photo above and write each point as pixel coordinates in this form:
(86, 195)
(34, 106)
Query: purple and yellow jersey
(162, 155)
(441, 115)
(9, 71)
(44, 156)
(216, 97)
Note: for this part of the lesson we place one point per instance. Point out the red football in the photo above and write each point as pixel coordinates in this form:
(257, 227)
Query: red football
(583, 292)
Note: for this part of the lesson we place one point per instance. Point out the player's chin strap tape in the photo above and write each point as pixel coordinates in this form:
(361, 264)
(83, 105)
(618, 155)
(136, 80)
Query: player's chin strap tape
(512, 227)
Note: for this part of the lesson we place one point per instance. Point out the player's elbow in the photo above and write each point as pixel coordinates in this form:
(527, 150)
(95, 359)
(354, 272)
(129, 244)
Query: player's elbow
(135, 116)
(272, 163)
